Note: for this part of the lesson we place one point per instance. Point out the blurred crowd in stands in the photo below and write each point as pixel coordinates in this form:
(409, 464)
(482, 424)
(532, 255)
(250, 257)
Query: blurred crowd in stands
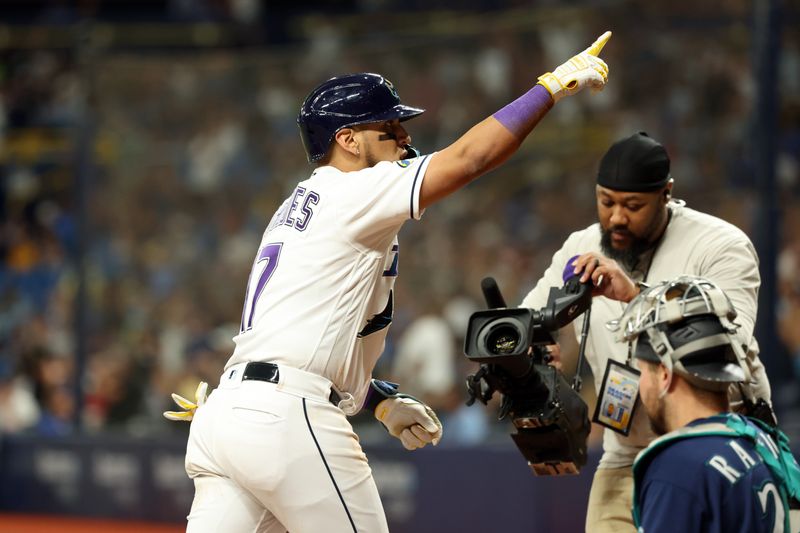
(190, 151)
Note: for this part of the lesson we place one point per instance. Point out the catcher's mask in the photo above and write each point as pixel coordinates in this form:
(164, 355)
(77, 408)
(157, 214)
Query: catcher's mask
(347, 101)
(686, 325)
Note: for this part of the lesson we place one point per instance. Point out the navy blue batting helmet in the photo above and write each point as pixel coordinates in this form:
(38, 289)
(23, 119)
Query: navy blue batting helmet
(346, 101)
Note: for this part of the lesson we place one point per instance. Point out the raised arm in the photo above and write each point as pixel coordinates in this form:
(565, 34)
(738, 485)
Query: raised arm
(493, 140)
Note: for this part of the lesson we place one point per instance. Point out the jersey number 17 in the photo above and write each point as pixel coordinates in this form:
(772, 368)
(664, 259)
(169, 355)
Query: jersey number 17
(268, 255)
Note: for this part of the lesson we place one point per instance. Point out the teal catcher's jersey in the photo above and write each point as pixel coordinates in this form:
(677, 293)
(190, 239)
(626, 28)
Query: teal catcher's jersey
(711, 477)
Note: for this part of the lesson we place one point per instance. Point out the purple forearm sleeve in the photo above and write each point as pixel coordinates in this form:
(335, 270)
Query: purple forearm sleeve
(520, 116)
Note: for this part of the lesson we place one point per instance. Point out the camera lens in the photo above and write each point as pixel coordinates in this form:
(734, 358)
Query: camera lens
(502, 340)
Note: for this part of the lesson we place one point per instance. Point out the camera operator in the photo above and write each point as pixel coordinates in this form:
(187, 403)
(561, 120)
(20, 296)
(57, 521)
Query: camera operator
(644, 236)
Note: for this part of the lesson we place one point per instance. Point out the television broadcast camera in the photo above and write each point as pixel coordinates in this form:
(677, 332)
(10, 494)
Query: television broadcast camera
(549, 415)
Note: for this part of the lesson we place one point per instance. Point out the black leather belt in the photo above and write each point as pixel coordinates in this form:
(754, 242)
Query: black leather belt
(268, 372)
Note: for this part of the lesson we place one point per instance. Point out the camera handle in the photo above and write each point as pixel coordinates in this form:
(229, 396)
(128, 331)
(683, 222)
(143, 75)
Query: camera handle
(478, 388)
(577, 382)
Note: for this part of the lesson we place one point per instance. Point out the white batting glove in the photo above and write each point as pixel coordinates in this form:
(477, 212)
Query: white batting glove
(188, 406)
(410, 420)
(582, 70)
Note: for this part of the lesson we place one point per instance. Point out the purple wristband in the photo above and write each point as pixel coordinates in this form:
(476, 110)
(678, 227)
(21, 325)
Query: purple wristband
(520, 116)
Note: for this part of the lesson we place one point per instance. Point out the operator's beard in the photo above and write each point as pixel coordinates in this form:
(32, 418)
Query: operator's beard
(629, 257)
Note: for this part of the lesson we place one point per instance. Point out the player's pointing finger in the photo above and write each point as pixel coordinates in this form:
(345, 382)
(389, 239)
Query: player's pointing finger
(598, 45)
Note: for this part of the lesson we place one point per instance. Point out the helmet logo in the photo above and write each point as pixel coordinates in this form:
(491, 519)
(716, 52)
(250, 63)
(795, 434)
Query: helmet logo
(390, 85)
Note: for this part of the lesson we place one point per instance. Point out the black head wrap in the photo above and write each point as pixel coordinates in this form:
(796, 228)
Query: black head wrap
(635, 164)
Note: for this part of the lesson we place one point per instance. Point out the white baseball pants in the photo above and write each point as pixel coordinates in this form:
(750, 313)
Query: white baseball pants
(270, 457)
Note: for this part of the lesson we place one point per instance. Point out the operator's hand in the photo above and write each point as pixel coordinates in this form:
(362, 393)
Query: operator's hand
(607, 277)
(582, 70)
(410, 420)
(188, 406)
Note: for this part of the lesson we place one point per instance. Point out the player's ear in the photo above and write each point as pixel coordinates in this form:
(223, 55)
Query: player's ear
(346, 138)
(664, 378)
(662, 373)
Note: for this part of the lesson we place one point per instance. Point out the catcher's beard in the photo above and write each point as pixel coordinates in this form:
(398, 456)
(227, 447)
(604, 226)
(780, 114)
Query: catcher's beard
(658, 417)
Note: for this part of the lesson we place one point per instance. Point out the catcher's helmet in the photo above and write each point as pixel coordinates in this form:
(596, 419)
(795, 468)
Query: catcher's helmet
(686, 325)
(346, 101)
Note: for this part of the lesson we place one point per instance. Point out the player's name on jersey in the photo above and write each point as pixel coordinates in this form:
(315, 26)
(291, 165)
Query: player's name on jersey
(296, 211)
(733, 472)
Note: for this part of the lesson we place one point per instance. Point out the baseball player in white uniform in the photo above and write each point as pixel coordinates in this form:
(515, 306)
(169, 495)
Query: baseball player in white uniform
(272, 449)
(645, 237)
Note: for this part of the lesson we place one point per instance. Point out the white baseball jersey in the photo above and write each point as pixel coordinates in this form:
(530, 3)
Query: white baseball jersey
(319, 297)
(694, 243)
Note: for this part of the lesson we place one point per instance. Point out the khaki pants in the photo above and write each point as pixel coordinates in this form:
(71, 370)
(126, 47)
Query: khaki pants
(610, 502)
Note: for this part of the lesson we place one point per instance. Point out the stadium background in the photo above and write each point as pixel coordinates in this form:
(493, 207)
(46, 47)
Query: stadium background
(144, 146)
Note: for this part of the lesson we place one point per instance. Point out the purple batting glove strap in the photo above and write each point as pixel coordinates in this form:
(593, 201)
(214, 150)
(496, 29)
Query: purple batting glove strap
(522, 114)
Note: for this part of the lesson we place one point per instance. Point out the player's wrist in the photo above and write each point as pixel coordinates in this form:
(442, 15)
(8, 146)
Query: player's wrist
(378, 392)
(550, 82)
(521, 116)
